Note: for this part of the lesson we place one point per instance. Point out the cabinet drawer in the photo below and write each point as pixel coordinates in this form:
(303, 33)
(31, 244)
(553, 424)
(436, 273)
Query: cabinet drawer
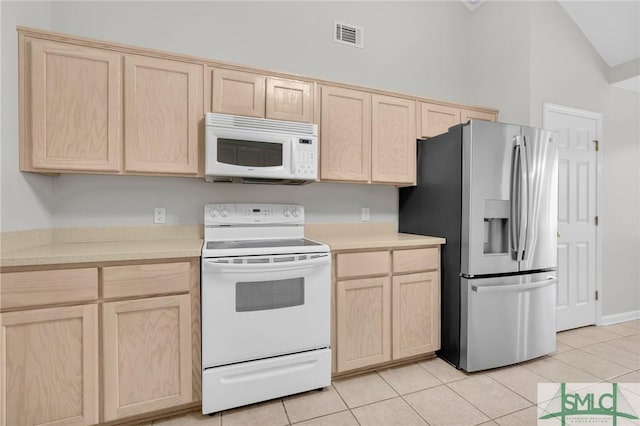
(351, 265)
(415, 260)
(145, 280)
(22, 289)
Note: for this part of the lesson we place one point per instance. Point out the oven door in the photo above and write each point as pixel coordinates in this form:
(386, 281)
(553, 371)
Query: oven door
(248, 154)
(256, 307)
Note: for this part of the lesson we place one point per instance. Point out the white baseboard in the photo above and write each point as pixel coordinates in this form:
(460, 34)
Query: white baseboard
(616, 318)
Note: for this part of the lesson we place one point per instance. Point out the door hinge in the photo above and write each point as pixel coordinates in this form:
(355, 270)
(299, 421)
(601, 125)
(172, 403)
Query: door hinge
(596, 220)
(597, 295)
(597, 145)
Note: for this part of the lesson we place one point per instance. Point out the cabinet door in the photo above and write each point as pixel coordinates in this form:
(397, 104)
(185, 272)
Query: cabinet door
(147, 355)
(76, 108)
(289, 100)
(345, 135)
(163, 109)
(416, 314)
(49, 366)
(363, 318)
(436, 119)
(237, 92)
(393, 140)
(467, 115)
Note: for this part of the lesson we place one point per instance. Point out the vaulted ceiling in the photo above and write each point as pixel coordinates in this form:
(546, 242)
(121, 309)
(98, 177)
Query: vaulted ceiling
(613, 29)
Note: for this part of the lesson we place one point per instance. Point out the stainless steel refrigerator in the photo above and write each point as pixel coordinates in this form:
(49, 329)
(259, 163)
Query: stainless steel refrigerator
(491, 189)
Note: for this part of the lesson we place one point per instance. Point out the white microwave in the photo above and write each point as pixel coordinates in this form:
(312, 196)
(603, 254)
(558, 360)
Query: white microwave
(259, 150)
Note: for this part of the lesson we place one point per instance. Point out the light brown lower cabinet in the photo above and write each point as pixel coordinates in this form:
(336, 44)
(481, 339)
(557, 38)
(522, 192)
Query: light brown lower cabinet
(363, 322)
(49, 366)
(146, 355)
(416, 314)
(393, 313)
(53, 370)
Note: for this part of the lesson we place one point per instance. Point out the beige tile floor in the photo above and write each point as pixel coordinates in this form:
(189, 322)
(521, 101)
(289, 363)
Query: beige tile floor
(434, 393)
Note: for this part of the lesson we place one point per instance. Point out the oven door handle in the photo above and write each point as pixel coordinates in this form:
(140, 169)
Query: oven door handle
(212, 265)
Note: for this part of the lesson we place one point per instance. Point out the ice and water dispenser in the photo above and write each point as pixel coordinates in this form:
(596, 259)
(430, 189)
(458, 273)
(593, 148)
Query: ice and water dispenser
(496, 226)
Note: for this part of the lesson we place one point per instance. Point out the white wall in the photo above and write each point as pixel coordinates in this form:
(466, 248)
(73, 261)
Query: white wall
(409, 47)
(499, 59)
(566, 70)
(25, 198)
(510, 55)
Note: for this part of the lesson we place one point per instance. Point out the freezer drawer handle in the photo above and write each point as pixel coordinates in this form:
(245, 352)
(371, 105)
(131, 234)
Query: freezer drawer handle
(509, 287)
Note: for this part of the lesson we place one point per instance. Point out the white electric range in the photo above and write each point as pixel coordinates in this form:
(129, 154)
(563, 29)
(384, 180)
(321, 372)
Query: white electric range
(266, 302)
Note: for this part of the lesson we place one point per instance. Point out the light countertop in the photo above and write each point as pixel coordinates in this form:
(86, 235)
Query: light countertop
(101, 251)
(79, 245)
(366, 236)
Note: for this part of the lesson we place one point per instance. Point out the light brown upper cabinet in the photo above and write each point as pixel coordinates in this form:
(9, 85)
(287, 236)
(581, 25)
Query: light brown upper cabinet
(237, 92)
(393, 143)
(366, 138)
(163, 109)
(467, 114)
(345, 135)
(71, 108)
(436, 119)
(256, 95)
(289, 100)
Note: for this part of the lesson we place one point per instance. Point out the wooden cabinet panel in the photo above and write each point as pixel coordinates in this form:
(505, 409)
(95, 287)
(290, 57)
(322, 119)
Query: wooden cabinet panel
(351, 265)
(345, 135)
(363, 317)
(76, 108)
(33, 288)
(416, 260)
(416, 314)
(49, 367)
(436, 119)
(145, 280)
(467, 115)
(393, 140)
(147, 355)
(237, 92)
(163, 109)
(289, 100)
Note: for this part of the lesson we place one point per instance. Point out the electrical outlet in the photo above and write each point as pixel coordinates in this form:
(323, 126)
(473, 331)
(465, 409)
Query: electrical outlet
(365, 214)
(158, 215)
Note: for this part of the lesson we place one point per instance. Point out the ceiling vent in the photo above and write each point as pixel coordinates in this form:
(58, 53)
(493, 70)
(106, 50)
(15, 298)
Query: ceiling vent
(348, 34)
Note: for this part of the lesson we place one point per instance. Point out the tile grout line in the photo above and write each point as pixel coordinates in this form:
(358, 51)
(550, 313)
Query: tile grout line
(478, 408)
(345, 403)
(404, 400)
(590, 373)
(284, 407)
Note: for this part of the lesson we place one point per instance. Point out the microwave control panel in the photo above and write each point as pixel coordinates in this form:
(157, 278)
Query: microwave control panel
(307, 161)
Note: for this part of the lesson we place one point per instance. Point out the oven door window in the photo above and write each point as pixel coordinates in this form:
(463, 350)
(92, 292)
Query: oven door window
(267, 295)
(249, 153)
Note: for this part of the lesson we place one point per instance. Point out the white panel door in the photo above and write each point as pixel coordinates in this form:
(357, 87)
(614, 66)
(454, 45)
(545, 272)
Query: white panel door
(577, 197)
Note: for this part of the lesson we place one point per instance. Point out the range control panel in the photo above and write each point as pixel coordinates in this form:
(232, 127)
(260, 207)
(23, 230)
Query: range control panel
(245, 213)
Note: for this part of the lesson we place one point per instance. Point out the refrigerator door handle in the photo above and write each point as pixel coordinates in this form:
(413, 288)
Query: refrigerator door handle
(509, 287)
(526, 199)
(514, 216)
(518, 222)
